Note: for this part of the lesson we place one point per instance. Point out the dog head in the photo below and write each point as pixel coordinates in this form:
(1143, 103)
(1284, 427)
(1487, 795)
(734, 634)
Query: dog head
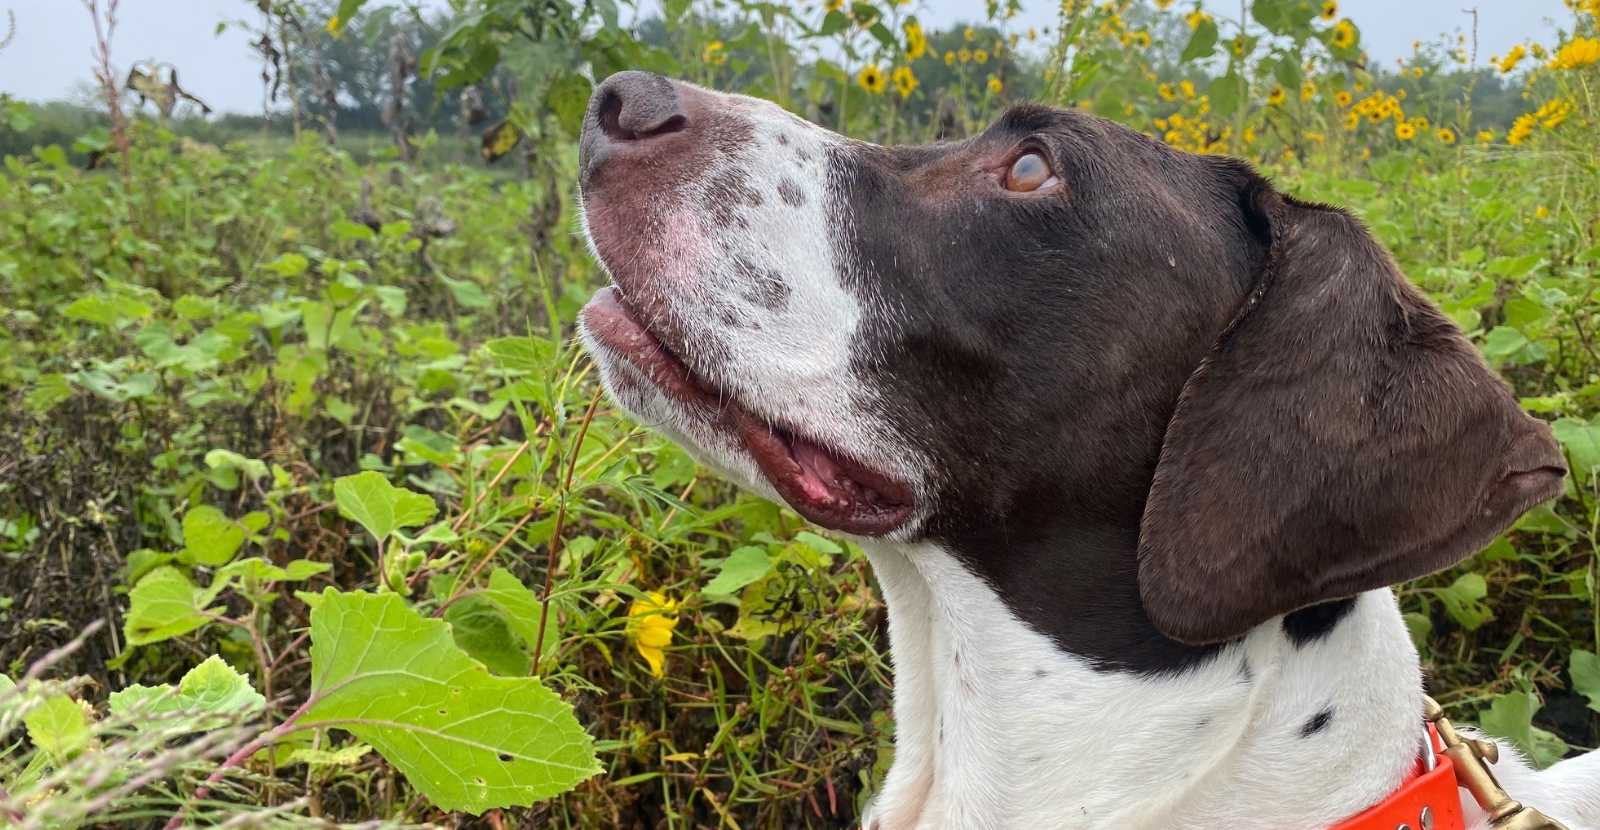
(1056, 329)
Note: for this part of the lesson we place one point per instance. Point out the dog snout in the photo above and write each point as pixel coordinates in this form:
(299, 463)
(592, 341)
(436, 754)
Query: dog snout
(629, 112)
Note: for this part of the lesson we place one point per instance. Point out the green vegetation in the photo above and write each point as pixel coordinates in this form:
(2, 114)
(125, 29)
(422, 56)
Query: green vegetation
(311, 512)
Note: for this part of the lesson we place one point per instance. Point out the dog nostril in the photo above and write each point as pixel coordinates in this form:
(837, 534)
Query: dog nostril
(631, 112)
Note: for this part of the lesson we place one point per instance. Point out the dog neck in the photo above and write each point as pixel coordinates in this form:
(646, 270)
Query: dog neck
(999, 726)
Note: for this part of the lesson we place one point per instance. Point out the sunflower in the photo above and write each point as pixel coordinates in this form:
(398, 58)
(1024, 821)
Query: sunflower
(994, 85)
(981, 56)
(1582, 51)
(335, 26)
(916, 41)
(969, 34)
(1510, 61)
(1419, 123)
(1486, 136)
(904, 81)
(1344, 34)
(1277, 96)
(1404, 131)
(1308, 90)
(1351, 120)
(871, 79)
(1341, 98)
(1195, 18)
(964, 55)
(1165, 91)
(1330, 10)
(1521, 129)
(714, 54)
(650, 622)
(1186, 89)
(1446, 136)
(949, 58)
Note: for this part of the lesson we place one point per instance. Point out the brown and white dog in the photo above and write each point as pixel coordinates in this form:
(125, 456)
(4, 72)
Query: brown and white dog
(1134, 442)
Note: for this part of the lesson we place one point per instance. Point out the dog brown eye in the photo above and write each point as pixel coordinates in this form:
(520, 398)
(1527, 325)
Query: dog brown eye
(1029, 173)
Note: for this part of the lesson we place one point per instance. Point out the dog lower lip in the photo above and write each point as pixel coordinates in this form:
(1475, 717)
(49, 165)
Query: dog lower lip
(821, 484)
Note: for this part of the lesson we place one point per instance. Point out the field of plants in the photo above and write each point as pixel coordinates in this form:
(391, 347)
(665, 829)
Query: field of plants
(312, 514)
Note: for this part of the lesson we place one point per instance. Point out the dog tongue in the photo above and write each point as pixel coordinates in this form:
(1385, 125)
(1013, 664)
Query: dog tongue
(819, 474)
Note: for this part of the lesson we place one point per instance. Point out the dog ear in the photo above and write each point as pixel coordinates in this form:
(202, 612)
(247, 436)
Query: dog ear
(1341, 436)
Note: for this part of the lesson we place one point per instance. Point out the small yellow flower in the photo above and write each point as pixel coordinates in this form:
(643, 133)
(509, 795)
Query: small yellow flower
(1308, 90)
(969, 34)
(1510, 61)
(1419, 123)
(904, 81)
(871, 79)
(1405, 132)
(1162, 4)
(1195, 18)
(1351, 120)
(1366, 153)
(1446, 136)
(1342, 98)
(1186, 89)
(1330, 10)
(650, 623)
(1541, 212)
(994, 85)
(949, 58)
(1486, 136)
(832, 5)
(981, 56)
(1140, 39)
(714, 54)
(1238, 44)
(1277, 96)
(1521, 129)
(1344, 34)
(1033, 34)
(335, 26)
(1250, 135)
(916, 41)
(1582, 51)
(1165, 91)
(1417, 72)
(964, 55)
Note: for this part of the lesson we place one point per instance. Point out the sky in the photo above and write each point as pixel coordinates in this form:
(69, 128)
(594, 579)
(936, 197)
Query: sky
(52, 54)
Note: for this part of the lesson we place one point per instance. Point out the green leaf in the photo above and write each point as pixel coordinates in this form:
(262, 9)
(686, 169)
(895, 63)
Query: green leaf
(210, 537)
(59, 727)
(251, 468)
(1510, 717)
(1463, 601)
(466, 739)
(346, 229)
(521, 609)
(1202, 43)
(1585, 670)
(467, 293)
(347, 756)
(379, 506)
(568, 98)
(1581, 440)
(165, 604)
(522, 354)
(212, 688)
(742, 567)
(478, 627)
(1502, 342)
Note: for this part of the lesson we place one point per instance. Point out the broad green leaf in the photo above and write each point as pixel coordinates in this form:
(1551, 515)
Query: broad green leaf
(210, 537)
(252, 468)
(1502, 342)
(1463, 601)
(1581, 440)
(379, 506)
(59, 727)
(466, 739)
(478, 627)
(165, 604)
(1585, 670)
(522, 354)
(467, 293)
(212, 688)
(1510, 717)
(521, 609)
(742, 567)
(1202, 43)
(568, 98)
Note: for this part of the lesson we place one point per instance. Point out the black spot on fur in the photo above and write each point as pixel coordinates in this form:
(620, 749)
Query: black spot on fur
(789, 190)
(1318, 722)
(1308, 625)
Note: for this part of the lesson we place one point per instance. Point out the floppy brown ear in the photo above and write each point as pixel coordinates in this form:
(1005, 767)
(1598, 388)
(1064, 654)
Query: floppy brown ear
(1342, 436)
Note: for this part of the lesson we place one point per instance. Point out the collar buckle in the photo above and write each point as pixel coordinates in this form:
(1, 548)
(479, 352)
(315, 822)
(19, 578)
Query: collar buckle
(1471, 758)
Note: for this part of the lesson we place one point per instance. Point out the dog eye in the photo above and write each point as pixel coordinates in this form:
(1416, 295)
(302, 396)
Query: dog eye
(1029, 173)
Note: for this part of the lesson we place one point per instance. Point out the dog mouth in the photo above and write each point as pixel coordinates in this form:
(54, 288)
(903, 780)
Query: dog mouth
(822, 484)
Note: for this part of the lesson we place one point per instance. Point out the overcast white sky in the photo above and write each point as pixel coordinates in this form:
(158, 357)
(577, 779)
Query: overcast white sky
(51, 51)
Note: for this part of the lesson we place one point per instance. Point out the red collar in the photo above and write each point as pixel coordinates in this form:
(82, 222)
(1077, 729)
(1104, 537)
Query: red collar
(1429, 801)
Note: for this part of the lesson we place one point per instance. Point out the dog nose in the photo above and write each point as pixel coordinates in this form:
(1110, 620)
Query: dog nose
(628, 109)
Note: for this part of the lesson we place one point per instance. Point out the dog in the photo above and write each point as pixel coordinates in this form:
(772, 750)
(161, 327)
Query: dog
(1134, 443)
